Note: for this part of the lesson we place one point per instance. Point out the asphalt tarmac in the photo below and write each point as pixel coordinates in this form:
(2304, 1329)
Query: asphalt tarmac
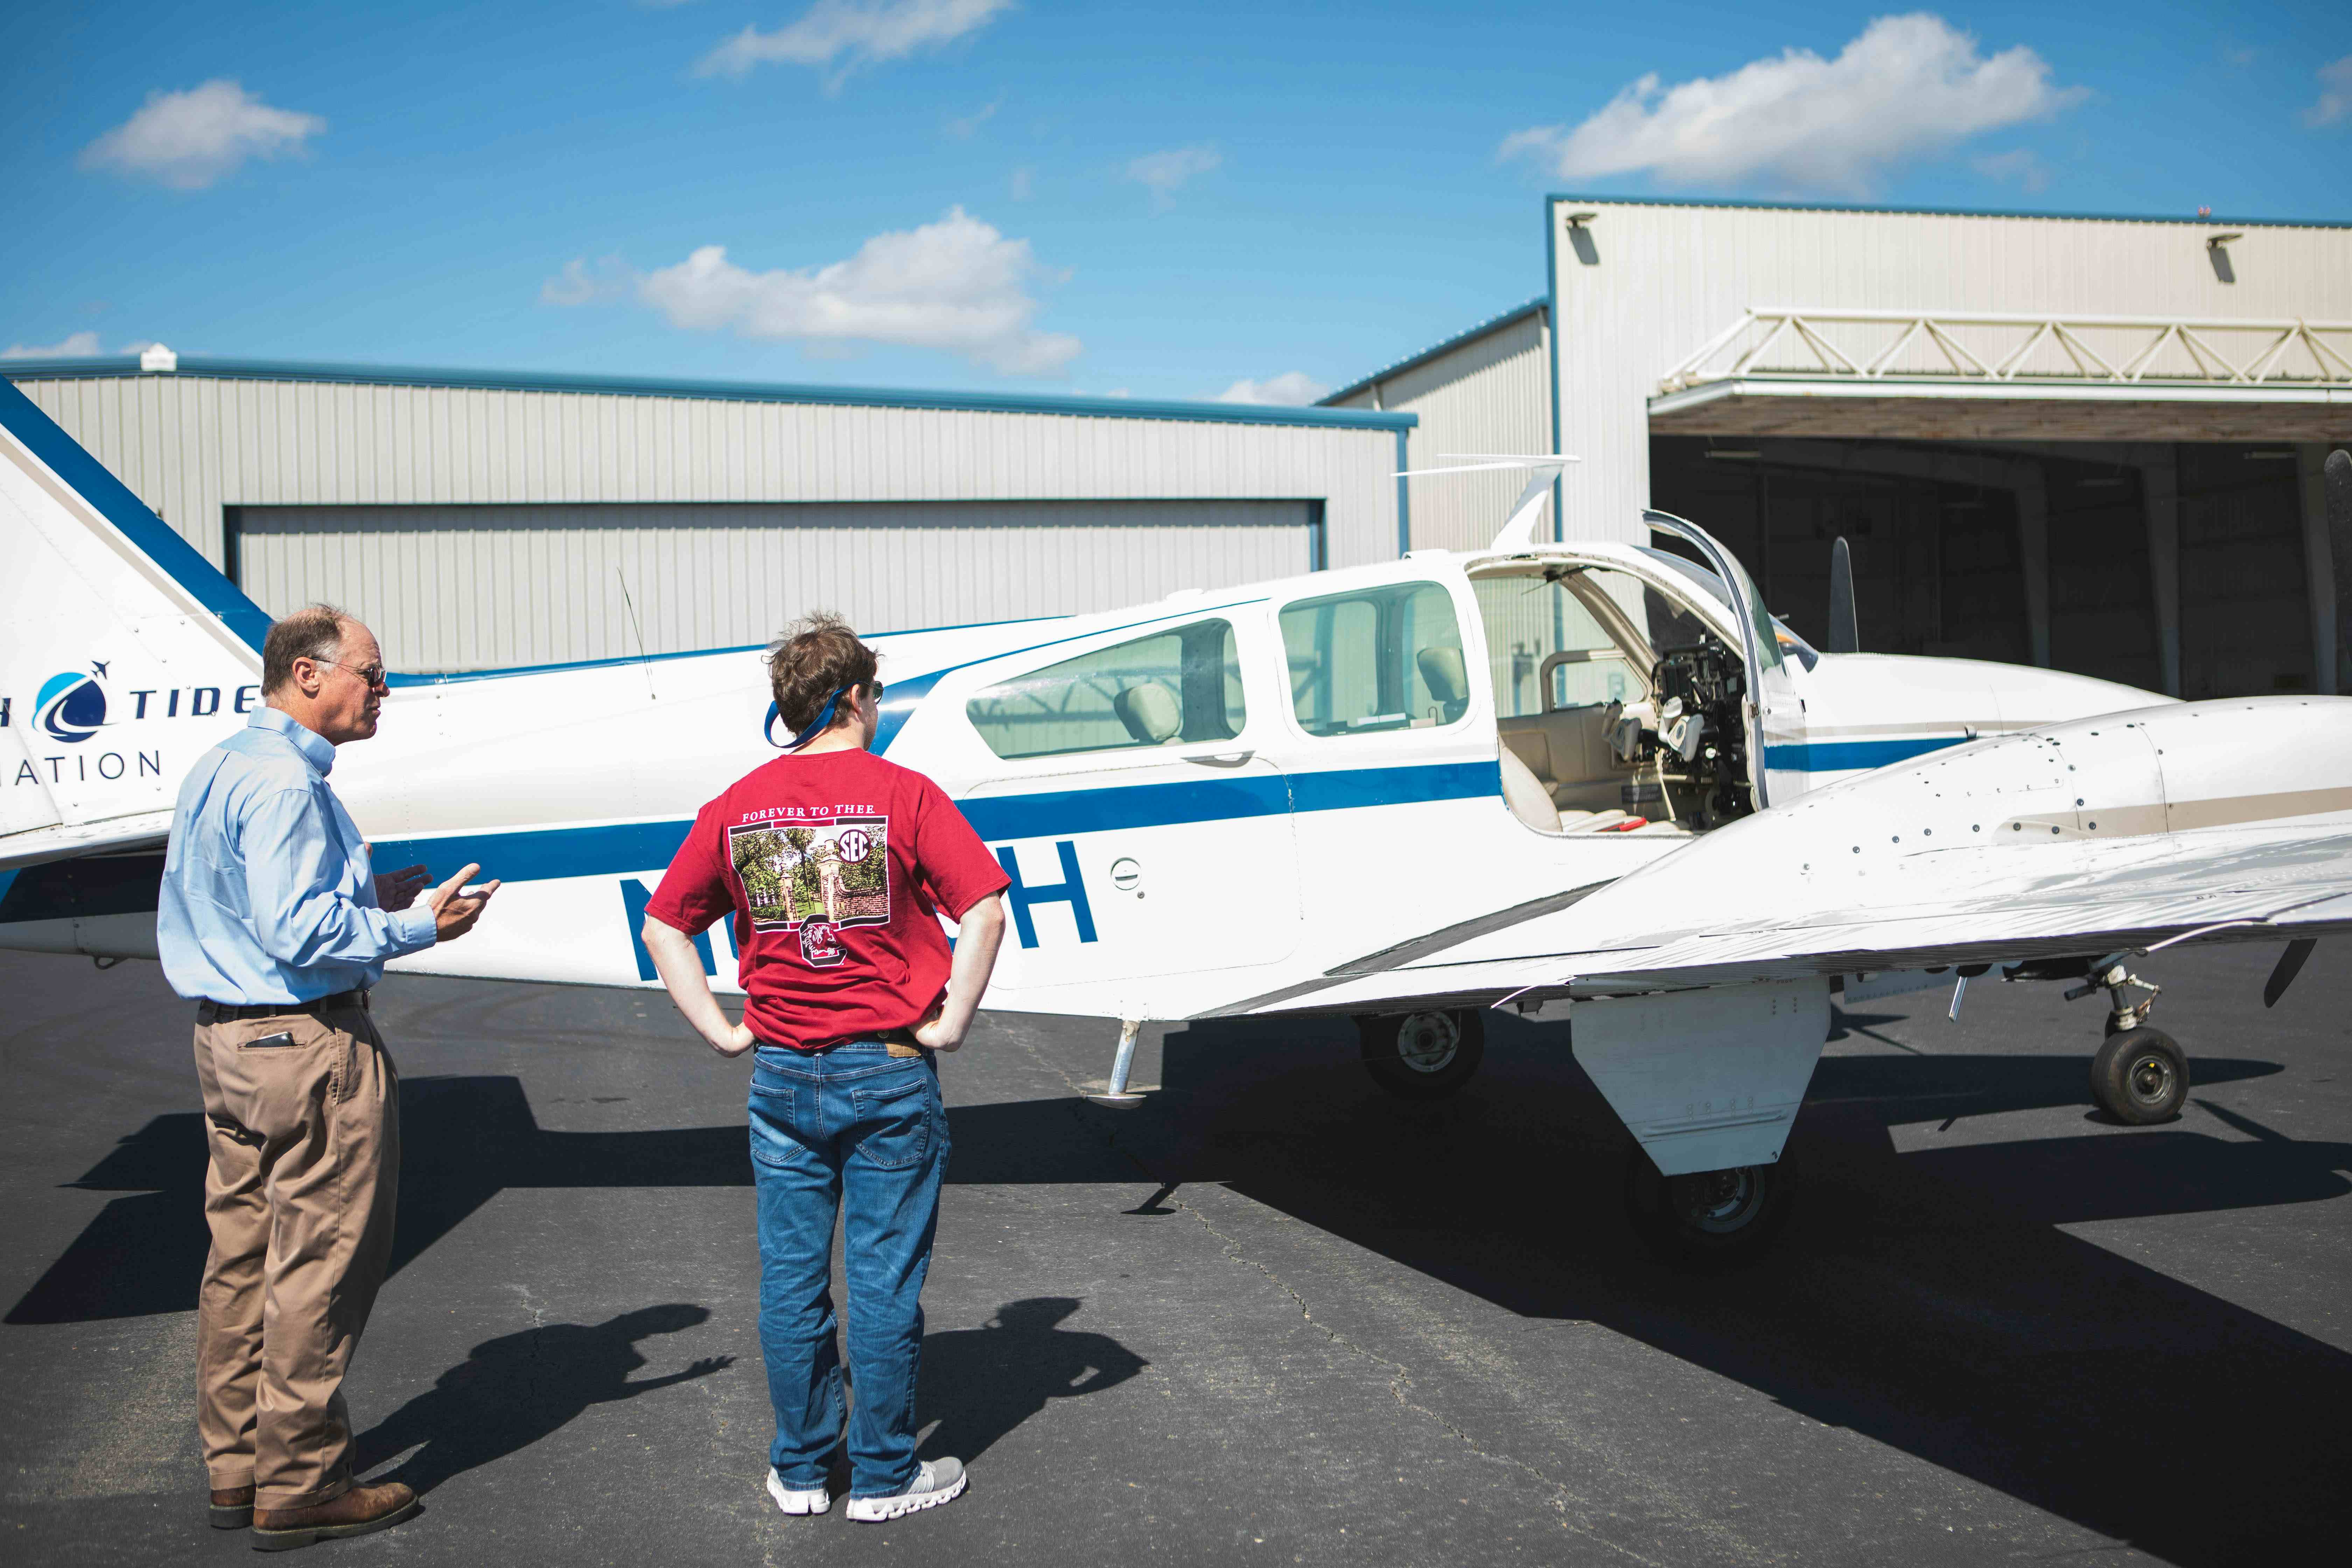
(1271, 1316)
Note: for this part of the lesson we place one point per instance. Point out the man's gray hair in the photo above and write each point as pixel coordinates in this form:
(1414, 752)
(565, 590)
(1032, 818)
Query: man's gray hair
(313, 632)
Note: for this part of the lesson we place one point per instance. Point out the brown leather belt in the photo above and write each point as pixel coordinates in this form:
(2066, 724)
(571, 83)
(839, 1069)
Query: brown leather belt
(896, 1042)
(209, 1012)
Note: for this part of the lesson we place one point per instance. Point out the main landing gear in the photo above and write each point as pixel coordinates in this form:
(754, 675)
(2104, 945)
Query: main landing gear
(1708, 1220)
(2140, 1075)
(1424, 1056)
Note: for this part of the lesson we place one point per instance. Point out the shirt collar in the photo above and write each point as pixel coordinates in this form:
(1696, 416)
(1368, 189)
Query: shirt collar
(316, 749)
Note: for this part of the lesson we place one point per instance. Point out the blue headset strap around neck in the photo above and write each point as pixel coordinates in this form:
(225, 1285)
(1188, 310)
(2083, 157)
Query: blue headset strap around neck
(823, 721)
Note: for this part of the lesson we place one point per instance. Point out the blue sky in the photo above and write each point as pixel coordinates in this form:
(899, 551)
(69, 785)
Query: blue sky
(1154, 200)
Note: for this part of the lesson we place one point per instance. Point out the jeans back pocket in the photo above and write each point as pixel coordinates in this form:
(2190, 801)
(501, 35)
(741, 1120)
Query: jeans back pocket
(895, 1113)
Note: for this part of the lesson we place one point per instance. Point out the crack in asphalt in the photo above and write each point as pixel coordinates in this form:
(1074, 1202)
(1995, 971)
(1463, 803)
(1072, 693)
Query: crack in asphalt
(1399, 1375)
(1399, 1379)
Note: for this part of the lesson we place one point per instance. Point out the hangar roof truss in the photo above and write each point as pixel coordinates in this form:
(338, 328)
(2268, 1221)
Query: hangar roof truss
(1961, 375)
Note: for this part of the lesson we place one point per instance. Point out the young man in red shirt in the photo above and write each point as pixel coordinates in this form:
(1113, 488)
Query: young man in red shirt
(835, 865)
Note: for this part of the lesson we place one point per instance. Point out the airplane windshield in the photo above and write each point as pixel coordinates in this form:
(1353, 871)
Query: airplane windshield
(1790, 642)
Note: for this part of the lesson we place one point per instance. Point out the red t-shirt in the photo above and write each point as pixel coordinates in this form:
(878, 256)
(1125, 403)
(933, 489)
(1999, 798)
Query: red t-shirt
(836, 867)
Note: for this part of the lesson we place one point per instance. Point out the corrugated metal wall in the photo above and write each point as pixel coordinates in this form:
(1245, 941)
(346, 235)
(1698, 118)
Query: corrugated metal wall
(192, 444)
(1492, 393)
(468, 587)
(1639, 286)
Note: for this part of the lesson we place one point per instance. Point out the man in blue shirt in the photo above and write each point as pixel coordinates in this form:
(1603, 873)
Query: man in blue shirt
(272, 920)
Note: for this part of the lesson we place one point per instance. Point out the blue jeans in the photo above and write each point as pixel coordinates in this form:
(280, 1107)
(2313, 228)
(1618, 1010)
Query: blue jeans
(861, 1133)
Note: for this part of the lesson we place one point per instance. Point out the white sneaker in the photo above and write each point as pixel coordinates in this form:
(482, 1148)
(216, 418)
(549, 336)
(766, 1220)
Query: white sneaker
(937, 1481)
(795, 1502)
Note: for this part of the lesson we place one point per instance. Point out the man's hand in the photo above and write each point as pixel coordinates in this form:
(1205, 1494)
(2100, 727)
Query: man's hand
(454, 914)
(977, 936)
(398, 889)
(930, 1030)
(681, 968)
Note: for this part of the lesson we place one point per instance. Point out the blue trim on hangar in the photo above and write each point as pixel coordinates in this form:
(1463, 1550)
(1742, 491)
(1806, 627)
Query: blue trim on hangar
(724, 391)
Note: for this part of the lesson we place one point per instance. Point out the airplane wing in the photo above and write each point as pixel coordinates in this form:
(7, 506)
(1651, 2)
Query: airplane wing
(1989, 853)
(2277, 889)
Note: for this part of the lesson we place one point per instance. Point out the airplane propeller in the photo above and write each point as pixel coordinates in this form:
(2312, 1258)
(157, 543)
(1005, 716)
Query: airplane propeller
(1845, 634)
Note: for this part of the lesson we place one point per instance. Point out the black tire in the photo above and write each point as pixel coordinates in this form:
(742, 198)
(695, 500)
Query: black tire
(1710, 1220)
(2140, 1077)
(1424, 1056)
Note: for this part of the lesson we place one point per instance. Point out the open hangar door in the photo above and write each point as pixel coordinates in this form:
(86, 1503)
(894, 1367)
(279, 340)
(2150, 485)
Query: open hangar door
(2189, 567)
(470, 587)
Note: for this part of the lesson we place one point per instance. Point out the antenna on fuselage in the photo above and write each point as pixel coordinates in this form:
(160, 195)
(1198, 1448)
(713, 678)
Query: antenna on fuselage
(1519, 531)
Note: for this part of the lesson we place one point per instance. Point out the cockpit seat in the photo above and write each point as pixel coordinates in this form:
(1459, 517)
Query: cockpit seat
(1525, 793)
(1448, 680)
(1568, 750)
(1150, 712)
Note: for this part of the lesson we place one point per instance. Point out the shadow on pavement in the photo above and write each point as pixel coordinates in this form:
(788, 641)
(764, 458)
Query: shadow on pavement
(980, 1384)
(513, 1391)
(1926, 1301)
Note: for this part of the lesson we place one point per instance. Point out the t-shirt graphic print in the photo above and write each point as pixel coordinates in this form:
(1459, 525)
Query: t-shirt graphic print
(814, 876)
(836, 870)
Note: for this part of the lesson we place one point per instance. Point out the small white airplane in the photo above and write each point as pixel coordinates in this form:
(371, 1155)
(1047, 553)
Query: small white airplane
(1588, 781)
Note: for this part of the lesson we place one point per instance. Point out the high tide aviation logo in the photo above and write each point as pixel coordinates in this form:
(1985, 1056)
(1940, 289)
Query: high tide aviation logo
(72, 705)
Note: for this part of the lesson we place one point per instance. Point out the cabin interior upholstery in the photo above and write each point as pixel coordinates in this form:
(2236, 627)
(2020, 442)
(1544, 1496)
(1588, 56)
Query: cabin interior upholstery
(1567, 752)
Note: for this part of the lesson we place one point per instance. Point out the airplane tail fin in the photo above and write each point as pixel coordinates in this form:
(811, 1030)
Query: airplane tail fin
(123, 652)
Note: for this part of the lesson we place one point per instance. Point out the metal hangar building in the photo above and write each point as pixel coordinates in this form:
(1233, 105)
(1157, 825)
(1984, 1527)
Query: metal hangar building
(2086, 442)
(478, 520)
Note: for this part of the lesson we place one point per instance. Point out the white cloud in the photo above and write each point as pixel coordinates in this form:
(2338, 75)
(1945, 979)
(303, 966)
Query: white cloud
(580, 284)
(1293, 388)
(1166, 173)
(843, 34)
(1906, 86)
(962, 129)
(188, 140)
(77, 345)
(957, 284)
(2335, 94)
(2024, 165)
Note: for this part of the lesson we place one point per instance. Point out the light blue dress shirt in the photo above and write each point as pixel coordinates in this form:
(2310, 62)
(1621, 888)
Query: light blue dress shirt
(268, 894)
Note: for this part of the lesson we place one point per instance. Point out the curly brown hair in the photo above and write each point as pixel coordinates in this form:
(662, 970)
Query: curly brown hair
(816, 656)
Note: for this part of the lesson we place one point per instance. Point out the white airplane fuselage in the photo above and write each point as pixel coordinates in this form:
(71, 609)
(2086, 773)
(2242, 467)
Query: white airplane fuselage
(1150, 881)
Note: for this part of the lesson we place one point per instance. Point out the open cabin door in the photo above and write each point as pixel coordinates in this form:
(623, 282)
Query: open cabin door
(1775, 712)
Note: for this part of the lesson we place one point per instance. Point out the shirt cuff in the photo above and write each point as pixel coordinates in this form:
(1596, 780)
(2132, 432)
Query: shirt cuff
(415, 928)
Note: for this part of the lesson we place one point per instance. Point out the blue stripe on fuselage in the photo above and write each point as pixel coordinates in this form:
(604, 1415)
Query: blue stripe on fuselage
(537, 855)
(1845, 756)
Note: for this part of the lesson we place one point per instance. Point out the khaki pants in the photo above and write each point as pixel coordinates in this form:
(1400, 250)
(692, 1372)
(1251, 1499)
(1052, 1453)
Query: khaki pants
(302, 1120)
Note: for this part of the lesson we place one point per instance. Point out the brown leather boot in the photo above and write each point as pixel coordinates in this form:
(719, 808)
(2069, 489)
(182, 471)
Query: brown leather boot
(232, 1508)
(359, 1511)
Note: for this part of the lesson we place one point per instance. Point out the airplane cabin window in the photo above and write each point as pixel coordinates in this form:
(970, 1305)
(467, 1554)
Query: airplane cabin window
(1381, 658)
(1167, 689)
(1527, 620)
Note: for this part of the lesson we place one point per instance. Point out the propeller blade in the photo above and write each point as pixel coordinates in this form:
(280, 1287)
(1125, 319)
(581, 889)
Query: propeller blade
(2290, 964)
(1845, 634)
(2338, 483)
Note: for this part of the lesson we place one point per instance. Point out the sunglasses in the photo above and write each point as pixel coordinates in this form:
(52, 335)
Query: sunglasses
(371, 675)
